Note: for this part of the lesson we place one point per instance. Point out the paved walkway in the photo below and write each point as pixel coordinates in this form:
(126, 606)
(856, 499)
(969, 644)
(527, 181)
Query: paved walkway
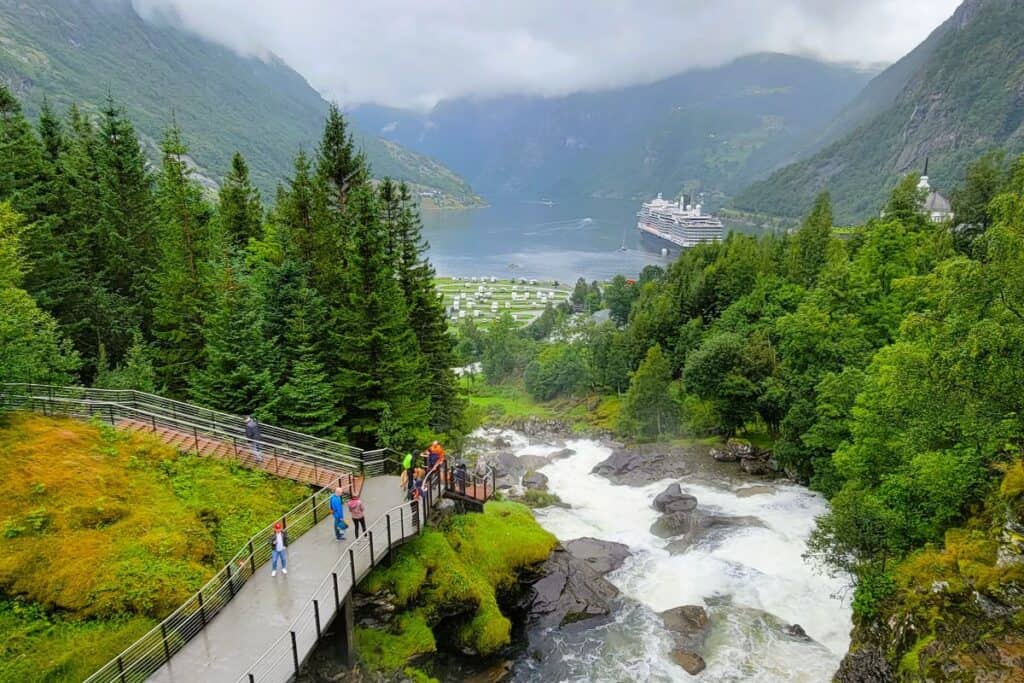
(266, 606)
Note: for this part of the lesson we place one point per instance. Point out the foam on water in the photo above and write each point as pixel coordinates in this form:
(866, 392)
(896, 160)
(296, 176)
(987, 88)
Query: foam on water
(751, 578)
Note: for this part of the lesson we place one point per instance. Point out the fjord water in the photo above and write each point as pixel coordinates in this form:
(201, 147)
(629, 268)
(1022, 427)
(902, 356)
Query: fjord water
(751, 578)
(529, 239)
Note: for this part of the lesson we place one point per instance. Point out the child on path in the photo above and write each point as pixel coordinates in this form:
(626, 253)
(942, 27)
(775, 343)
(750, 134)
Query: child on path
(278, 552)
(338, 512)
(355, 506)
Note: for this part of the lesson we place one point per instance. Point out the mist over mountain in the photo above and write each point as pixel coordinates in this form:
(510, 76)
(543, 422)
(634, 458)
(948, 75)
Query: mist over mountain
(957, 95)
(84, 51)
(710, 130)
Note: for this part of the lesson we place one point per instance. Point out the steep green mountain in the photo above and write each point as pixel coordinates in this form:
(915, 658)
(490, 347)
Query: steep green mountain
(711, 130)
(960, 93)
(82, 51)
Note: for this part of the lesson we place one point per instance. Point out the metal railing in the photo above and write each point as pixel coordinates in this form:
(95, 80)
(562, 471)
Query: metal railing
(276, 445)
(153, 650)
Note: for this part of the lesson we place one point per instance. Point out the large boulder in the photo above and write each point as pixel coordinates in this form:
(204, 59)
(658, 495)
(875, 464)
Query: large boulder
(867, 665)
(509, 468)
(567, 592)
(689, 627)
(695, 526)
(644, 464)
(601, 556)
(535, 481)
(673, 499)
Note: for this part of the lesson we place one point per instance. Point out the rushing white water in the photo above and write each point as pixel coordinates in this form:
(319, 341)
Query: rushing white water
(751, 579)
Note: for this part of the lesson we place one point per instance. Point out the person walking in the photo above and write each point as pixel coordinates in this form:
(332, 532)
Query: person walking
(278, 549)
(338, 512)
(407, 472)
(355, 506)
(252, 433)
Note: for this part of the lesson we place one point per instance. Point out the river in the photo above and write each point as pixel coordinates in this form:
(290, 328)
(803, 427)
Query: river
(751, 579)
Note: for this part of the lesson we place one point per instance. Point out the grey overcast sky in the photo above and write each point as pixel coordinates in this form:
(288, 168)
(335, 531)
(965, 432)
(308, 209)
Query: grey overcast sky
(412, 53)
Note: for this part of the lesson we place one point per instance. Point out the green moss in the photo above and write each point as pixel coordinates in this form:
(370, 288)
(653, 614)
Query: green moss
(417, 676)
(535, 498)
(381, 650)
(457, 574)
(1012, 485)
(910, 663)
(127, 528)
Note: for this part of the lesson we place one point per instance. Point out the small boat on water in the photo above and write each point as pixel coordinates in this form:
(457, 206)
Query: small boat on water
(546, 202)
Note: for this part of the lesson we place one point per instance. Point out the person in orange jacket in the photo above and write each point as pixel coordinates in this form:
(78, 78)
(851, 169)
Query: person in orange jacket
(435, 456)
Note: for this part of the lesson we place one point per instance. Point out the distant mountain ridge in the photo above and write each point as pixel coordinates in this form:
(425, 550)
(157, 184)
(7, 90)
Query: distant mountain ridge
(958, 94)
(710, 130)
(82, 51)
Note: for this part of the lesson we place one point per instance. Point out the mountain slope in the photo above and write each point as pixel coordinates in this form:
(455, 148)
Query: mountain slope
(82, 51)
(709, 129)
(964, 95)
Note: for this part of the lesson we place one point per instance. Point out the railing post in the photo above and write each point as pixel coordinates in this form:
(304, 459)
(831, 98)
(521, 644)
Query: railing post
(295, 653)
(195, 436)
(252, 679)
(313, 501)
(352, 565)
(110, 414)
(163, 635)
(390, 560)
(152, 421)
(120, 669)
(337, 598)
(202, 608)
(401, 522)
(252, 557)
(231, 581)
(316, 617)
(369, 534)
(234, 445)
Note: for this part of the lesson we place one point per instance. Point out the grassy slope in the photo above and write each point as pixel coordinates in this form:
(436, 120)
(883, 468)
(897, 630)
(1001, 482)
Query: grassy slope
(108, 531)
(81, 51)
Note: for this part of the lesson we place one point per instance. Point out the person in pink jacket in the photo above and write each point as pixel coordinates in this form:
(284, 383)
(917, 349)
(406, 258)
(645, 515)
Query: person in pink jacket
(355, 507)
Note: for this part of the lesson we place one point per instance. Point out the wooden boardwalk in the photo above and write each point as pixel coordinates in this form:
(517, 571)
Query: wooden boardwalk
(271, 462)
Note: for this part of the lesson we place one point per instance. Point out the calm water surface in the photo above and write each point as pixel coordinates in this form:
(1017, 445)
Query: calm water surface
(571, 238)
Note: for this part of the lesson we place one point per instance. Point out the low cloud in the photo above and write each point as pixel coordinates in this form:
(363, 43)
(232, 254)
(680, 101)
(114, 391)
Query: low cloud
(412, 53)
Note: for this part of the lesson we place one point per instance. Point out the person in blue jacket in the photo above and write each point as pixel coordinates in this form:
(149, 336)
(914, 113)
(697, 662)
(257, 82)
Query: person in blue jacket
(338, 512)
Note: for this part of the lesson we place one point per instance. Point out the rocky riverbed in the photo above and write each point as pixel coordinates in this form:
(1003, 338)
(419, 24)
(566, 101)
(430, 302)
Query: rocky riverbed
(703, 546)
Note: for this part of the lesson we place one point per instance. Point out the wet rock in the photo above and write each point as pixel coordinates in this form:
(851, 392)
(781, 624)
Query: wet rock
(733, 450)
(692, 662)
(756, 467)
(568, 592)
(865, 666)
(538, 429)
(601, 556)
(700, 527)
(373, 611)
(509, 468)
(562, 454)
(499, 673)
(689, 627)
(535, 481)
(796, 631)
(644, 464)
(673, 499)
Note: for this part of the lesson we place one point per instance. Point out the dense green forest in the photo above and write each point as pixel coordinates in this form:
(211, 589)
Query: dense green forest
(320, 314)
(884, 369)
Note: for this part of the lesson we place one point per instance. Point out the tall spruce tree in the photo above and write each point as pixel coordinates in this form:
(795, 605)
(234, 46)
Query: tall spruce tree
(240, 211)
(181, 289)
(424, 303)
(20, 158)
(338, 161)
(808, 250)
(381, 364)
(235, 377)
(306, 400)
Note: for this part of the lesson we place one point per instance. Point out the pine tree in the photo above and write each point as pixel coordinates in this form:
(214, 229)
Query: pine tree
(306, 400)
(337, 161)
(379, 356)
(135, 371)
(181, 290)
(235, 377)
(240, 211)
(20, 158)
(424, 304)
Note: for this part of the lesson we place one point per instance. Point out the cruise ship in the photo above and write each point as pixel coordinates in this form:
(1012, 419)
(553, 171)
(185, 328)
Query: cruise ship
(674, 226)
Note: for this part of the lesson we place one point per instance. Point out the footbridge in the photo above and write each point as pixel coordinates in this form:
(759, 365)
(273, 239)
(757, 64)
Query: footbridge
(245, 625)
